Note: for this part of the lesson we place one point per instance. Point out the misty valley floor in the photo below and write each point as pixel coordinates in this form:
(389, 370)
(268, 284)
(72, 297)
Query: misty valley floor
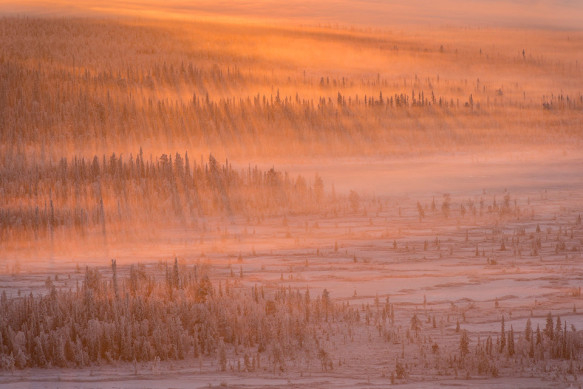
(470, 269)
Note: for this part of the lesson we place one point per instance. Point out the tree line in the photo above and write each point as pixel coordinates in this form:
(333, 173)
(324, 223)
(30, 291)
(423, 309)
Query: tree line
(78, 194)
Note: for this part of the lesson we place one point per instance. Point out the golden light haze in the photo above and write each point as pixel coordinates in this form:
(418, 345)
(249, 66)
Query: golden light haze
(369, 13)
(304, 194)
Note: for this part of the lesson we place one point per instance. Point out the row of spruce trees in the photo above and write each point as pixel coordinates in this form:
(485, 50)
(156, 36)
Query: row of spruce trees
(78, 194)
(147, 317)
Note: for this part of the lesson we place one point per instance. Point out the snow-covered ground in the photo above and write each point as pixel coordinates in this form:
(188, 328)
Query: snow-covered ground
(433, 272)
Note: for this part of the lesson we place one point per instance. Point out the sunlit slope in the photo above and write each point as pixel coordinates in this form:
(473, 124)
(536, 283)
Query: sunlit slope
(88, 86)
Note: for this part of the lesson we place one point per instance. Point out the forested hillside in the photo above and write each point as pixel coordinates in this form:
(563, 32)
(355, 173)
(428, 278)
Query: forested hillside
(83, 87)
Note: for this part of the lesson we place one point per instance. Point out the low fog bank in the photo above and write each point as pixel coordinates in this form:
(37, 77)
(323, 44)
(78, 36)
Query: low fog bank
(462, 173)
